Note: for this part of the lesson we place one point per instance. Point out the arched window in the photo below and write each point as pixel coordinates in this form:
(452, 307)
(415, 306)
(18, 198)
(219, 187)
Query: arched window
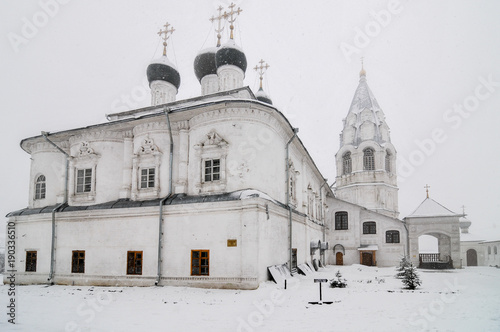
(368, 159)
(489, 250)
(392, 237)
(40, 187)
(369, 227)
(495, 250)
(346, 163)
(388, 162)
(341, 221)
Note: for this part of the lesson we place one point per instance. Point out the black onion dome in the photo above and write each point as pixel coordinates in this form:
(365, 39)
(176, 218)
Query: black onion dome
(163, 70)
(230, 54)
(262, 96)
(204, 63)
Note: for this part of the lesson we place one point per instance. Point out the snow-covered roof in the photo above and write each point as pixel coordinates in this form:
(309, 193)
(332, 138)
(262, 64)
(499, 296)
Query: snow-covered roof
(468, 237)
(431, 208)
(364, 110)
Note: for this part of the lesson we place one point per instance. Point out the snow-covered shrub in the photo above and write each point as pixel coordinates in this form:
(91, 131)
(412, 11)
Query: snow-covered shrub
(411, 279)
(403, 264)
(338, 281)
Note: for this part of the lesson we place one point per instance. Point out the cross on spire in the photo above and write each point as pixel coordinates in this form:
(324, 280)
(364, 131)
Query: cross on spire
(362, 72)
(219, 18)
(463, 209)
(427, 189)
(165, 36)
(229, 17)
(261, 70)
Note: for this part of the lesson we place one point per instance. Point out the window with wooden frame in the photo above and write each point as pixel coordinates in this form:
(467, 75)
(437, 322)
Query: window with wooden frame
(134, 262)
(78, 261)
(346, 163)
(368, 159)
(369, 227)
(200, 261)
(30, 261)
(341, 220)
(212, 170)
(40, 187)
(392, 237)
(84, 180)
(148, 177)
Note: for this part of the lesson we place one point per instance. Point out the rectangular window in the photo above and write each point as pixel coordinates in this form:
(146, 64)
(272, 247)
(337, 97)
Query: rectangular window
(134, 262)
(392, 237)
(341, 221)
(84, 180)
(369, 227)
(147, 178)
(30, 261)
(212, 170)
(78, 261)
(200, 262)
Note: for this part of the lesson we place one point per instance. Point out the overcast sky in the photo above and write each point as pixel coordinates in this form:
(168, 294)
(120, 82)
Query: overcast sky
(433, 67)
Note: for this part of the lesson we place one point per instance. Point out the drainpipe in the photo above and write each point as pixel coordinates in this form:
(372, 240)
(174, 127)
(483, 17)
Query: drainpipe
(160, 219)
(53, 239)
(324, 218)
(287, 163)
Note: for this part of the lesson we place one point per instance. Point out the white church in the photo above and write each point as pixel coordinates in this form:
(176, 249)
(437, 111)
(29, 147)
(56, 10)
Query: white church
(213, 190)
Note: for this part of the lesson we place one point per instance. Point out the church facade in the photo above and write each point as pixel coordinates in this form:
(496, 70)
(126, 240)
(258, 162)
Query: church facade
(205, 192)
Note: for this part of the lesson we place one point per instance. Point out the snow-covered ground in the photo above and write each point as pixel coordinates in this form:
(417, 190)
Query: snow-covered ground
(456, 300)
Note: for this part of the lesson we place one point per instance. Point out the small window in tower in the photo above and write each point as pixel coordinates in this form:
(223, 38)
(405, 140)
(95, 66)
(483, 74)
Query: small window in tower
(40, 187)
(388, 162)
(489, 250)
(346, 163)
(368, 159)
(212, 170)
(148, 178)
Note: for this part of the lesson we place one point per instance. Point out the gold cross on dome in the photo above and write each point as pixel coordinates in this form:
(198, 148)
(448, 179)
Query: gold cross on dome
(219, 19)
(261, 70)
(166, 34)
(229, 16)
(427, 189)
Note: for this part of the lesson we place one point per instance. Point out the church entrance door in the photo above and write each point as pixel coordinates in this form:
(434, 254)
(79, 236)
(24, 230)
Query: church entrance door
(471, 257)
(340, 258)
(367, 258)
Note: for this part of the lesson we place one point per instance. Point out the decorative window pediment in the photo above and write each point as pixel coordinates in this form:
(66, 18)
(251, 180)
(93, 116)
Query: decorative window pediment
(212, 153)
(213, 139)
(83, 174)
(146, 171)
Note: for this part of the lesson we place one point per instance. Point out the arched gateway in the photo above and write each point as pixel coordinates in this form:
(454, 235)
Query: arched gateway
(431, 218)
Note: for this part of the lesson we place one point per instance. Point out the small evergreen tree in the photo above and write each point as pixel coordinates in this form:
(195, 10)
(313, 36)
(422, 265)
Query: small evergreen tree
(411, 279)
(403, 264)
(338, 281)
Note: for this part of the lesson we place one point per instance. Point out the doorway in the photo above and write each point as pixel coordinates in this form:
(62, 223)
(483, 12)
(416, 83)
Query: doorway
(471, 257)
(339, 258)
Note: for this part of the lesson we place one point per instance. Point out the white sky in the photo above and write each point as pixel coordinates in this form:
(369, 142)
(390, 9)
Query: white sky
(426, 58)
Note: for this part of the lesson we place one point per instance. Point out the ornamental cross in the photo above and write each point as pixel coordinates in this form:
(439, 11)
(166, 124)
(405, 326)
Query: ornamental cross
(166, 34)
(219, 19)
(463, 209)
(229, 16)
(261, 70)
(427, 189)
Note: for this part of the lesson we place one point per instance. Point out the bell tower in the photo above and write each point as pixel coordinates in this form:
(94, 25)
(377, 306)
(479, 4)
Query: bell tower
(366, 160)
